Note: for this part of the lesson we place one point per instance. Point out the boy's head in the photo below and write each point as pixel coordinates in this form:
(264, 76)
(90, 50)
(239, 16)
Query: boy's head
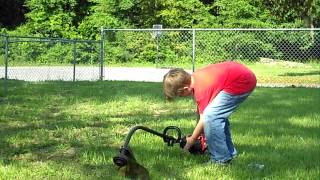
(176, 83)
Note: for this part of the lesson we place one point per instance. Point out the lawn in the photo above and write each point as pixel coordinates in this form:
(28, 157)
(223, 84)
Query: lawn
(66, 130)
(287, 73)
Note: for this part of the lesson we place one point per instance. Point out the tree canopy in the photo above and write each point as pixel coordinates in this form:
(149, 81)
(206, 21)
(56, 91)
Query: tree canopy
(83, 18)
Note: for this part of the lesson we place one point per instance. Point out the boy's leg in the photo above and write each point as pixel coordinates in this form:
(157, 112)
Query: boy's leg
(229, 142)
(216, 125)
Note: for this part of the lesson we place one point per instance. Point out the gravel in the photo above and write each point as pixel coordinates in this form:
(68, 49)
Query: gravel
(84, 73)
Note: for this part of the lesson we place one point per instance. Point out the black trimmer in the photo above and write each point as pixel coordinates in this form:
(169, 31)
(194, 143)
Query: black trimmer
(125, 153)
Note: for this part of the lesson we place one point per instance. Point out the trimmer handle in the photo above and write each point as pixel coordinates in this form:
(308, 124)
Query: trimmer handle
(169, 139)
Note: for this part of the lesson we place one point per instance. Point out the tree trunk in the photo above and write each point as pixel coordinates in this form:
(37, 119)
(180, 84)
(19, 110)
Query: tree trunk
(308, 22)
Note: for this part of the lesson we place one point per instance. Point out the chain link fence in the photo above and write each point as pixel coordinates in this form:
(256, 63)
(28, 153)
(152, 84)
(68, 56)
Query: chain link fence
(148, 46)
(279, 57)
(45, 59)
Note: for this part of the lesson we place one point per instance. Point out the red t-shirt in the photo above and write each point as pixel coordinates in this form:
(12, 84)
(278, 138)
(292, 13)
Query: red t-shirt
(229, 76)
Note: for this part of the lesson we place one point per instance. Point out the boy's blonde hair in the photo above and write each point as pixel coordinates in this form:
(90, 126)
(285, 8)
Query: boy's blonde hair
(174, 81)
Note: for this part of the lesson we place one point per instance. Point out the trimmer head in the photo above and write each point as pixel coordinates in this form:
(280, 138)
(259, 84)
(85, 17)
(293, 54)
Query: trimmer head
(122, 158)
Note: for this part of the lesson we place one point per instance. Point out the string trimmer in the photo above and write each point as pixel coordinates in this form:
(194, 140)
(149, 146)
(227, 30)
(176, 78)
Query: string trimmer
(125, 154)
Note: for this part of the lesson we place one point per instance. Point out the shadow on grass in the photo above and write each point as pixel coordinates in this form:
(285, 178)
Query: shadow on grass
(280, 130)
(301, 74)
(100, 91)
(33, 127)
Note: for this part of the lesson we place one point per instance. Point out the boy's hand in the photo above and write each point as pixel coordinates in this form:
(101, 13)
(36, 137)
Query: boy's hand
(190, 142)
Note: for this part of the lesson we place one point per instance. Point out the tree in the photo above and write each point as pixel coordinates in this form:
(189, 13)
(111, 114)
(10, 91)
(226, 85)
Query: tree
(289, 10)
(100, 14)
(51, 18)
(241, 14)
(139, 13)
(12, 13)
(187, 14)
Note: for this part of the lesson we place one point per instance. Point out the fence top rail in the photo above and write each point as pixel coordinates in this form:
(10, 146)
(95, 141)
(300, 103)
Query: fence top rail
(45, 39)
(217, 29)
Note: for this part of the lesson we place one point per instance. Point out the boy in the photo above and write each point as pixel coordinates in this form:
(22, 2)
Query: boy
(218, 90)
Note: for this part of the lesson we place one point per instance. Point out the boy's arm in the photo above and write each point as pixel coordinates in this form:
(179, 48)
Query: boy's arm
(198, 130)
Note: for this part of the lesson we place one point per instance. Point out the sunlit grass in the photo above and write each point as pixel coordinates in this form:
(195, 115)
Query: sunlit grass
(284, 72)
(66, 130)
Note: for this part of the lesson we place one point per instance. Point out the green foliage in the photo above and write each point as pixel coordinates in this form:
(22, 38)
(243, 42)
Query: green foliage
(84, 19)
(290, 10)
(187, 14)
(87, 53)
(242, 14)
(211, 46)
(128, 46)
(138, 13)
(51, 18)
(41, 53)
(99, 15)
(246, 47)
(53, 52)
(58, 53)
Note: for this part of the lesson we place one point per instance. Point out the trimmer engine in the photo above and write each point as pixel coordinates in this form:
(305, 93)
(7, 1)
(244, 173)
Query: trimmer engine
(199, 147)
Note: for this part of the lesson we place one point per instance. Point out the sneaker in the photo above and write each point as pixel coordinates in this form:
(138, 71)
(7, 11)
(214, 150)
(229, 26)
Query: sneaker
(234, 154)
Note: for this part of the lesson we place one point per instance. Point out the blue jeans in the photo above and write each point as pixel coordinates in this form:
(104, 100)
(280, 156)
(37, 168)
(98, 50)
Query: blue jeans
(216, 125)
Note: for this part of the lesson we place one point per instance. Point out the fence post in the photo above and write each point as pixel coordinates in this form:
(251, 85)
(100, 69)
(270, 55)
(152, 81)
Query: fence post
(101, 53)
(193, 48)
(74, 59)
(157, 34)
(6, 65)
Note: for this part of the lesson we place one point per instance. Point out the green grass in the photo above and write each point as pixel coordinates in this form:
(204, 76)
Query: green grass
(65, 130)
(287, 73)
